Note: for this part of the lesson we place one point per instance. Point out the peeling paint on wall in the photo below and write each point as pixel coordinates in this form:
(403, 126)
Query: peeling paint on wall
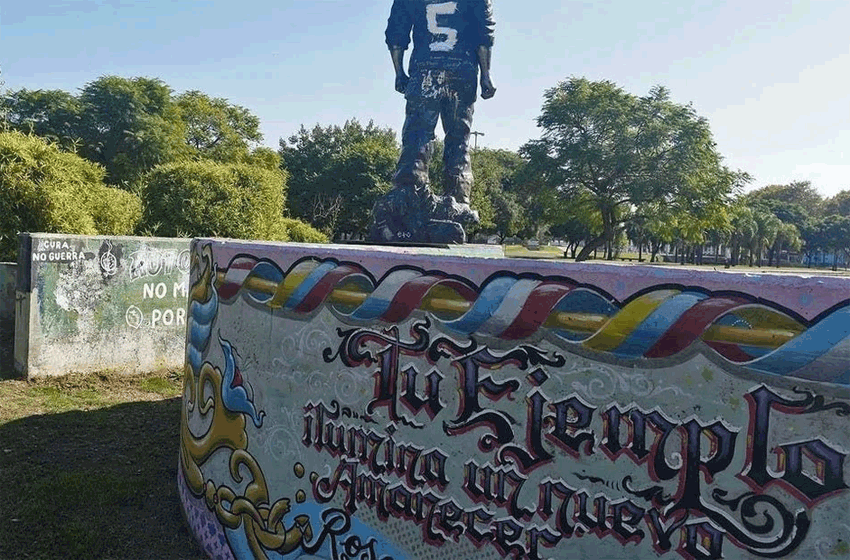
(95, 303)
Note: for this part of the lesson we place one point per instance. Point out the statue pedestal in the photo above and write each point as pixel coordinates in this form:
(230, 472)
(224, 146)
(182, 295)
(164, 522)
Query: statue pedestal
(413, 214)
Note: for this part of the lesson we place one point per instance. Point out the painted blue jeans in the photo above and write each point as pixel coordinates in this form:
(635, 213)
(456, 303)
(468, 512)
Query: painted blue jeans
(431, 95)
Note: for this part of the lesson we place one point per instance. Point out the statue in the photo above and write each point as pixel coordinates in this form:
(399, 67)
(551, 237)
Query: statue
(452, 41)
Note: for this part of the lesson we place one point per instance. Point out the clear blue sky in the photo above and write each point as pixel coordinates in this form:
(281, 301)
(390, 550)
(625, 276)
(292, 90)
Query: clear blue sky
(771, 76)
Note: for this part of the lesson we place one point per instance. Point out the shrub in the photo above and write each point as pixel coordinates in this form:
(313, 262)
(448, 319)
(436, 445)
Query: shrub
(210, 199)
(303, 232)
(43, 189)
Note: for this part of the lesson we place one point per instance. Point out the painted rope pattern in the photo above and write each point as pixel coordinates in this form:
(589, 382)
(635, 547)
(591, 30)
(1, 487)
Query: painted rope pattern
(657, 324)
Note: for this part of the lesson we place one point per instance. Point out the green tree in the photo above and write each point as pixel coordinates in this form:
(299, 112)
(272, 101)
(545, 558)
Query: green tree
(718, 232)
(813, 241)
(743, 230)
(216, 129)
(50, 114)
(660, 224)
(336, 174)
(364, 169)
(787, 238)
(206, 198)
(493, 171)
(767, 227)
(838, 204)
(575, 221)
(43, 188)
(493, 195)
(624, 151)
(704, 224)
(508, 214)
(264, 157)
(835, 237)
(301, 232)
(4, 112)
(129, 126)
(800, 193)
(795, 203)
(545, 208)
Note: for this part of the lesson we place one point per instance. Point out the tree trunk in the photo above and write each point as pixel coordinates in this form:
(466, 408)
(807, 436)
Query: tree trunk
(590, 247)
(653, 249)
(606, 237)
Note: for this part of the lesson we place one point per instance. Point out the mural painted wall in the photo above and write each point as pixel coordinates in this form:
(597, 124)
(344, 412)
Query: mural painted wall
(93, 303)
(344, 403)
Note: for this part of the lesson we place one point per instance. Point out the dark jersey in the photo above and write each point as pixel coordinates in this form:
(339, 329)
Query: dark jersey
(446, 35)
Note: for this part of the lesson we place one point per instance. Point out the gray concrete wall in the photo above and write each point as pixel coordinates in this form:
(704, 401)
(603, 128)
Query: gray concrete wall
(8, 274)
(100, 303)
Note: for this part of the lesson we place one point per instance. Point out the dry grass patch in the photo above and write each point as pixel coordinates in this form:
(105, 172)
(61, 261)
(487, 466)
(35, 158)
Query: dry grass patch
(77, 391)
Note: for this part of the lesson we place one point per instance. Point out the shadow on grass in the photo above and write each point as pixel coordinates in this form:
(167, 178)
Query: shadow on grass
(7, 349)
(97, 484)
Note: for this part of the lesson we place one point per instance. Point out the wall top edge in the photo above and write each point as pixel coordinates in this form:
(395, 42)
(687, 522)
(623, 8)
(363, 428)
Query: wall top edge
(530, 264)
(38, 235)
(467, 250)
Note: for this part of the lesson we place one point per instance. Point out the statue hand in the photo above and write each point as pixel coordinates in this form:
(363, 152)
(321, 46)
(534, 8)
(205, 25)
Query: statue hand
(401, 81)
(488, 90)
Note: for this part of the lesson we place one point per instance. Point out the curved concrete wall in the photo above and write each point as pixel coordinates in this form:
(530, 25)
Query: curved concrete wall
(373, 403)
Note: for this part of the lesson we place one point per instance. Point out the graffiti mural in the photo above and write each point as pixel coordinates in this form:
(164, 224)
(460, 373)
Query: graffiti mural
(344, 406)
(92, 303)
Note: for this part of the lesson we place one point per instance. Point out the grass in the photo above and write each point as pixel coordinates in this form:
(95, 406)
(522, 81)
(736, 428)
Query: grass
(544, 252)
(555, 252)
(88, 465)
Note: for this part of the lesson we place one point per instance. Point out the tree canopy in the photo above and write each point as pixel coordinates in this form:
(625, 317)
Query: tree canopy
(131, 125)
(623, 151)
(217, 129)
(337, 172)
(141, 137)
(50, 114)
(838, 204)
(206, 198)
(43, 188)
(608, 166)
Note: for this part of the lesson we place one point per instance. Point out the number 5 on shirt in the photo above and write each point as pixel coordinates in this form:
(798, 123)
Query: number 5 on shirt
(443, 9)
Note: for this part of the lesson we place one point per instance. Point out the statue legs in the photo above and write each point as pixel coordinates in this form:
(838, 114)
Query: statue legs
(456, 115)
(416, 137)
(411, 212)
